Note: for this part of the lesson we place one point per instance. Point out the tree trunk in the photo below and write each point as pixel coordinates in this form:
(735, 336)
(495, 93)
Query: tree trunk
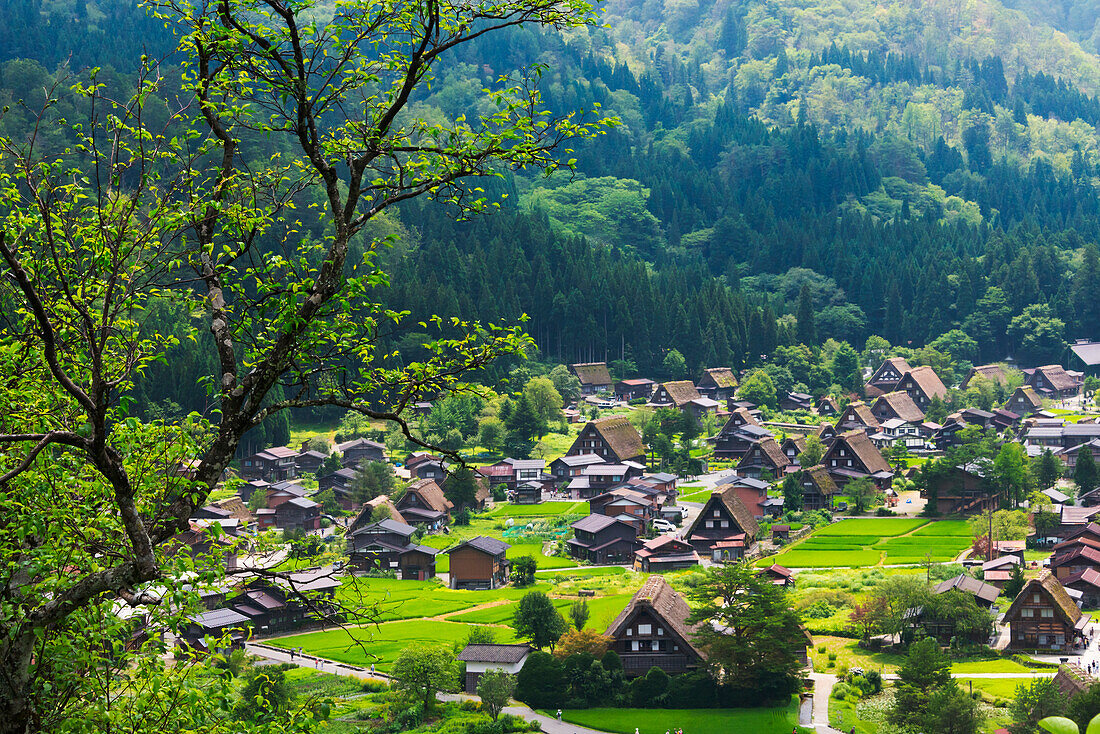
(15, 676)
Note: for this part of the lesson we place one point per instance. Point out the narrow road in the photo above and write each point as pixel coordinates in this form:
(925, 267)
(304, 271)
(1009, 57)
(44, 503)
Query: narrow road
(323, 665)
(823, 691)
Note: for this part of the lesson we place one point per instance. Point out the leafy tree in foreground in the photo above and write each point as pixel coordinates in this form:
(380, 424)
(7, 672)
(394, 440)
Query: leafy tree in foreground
(1035, 701)
(246, 202)
(538, 620)
(578, 614)
(1085, 474)
(755, 653)
(495, 688)
(421, 672)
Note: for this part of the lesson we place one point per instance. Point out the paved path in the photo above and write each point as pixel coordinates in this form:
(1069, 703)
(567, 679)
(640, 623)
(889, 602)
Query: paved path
(823, 690)
(267, 652)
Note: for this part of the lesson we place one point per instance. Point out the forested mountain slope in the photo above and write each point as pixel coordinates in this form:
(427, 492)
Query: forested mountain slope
(923, 166)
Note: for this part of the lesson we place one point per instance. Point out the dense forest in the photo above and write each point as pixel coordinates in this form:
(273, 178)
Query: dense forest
(919, 168)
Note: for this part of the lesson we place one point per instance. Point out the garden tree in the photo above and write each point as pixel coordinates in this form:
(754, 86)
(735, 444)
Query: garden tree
(320, 444)
(960, 610)
(191, 212)
(461, 487)
(454, 413)
(538, 620)
(421, 671)
(479, 634)
(846, 370)
(566, 383)
(523, 570)
(813, 452)
(758, 388)
(1090, 386)
(957, 343)
(524, 426)
(792, 492)
(543, 398)
(495, 689)
(950, 710)
(1032, 702)
(1049, 470)
(937, 410)
(330, 465)
(893, 597)
(805, 332)
(265, 695)
(582, 641)
(868, 616)
(578, 614)
(1085, 474)
(540, 682)
(1039, 334)
(257, 500)
(490, 433)
(649, 690)
(863, 494)
(1016, 581)
(875, 351)
(674, 365)
(1084, 706)
(329, 503)
(925, 670)
(373, 478)
(752, 634)
(1012, 473)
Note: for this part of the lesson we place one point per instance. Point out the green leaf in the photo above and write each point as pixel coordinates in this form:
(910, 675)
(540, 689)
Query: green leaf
(1062, 725)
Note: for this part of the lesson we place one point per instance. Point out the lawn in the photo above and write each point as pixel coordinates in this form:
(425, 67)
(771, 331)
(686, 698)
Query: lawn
(997, 687)
(602, 610)
(382, 644)
(396, 599)
(799, 558)
(1002, 665)
(952, 528)
(544, 509)
(879, 526)
(693, 721)
(912, 549)
(851, 655)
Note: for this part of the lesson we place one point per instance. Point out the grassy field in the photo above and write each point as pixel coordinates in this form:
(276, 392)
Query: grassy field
(1004, 688)
(395, 599)
(602, 610)
(880, 526)
(382, 644)
(545, 509)
(693, 721)
(868, 541)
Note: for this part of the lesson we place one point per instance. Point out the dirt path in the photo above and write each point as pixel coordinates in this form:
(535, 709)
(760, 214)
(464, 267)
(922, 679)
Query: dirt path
(478, 608)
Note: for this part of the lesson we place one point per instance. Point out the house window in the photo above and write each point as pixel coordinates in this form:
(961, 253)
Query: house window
(832, 462)
(710, 523)
(629, 632)
(849, 462)
(1034, 598)
(1046, 612)
(717, 513)
(1027, 613)
(645, 629)
(660, 631)
(725, 524)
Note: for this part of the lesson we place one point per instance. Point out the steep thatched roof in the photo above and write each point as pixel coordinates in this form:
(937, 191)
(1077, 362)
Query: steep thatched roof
(592, 373)
(660, 598)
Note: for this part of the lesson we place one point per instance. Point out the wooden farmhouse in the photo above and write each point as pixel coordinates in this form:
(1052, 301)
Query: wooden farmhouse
(602, 539)
(764, 458)
(922, 384)
(992, 372)
(717, 383)
(356, 451)
(425, 505)
(653, 631)
(593, 376)
(738, 435)
(886, 377)
(388, 545)
(857, 417)
(271, 465)
(612, 439)
(1024, 401)
(852, 456)
(725, 530)
(479, 563)
(664, 553)
(1044, 617)
(1052, 381)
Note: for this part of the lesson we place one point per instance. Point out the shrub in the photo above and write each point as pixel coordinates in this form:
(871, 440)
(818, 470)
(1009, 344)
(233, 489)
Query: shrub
(874, 678)
(841, 691)
(820, 609)
(832, 657)
(821, 648)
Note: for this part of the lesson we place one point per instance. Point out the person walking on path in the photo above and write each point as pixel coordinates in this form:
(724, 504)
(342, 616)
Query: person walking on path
(559, 717)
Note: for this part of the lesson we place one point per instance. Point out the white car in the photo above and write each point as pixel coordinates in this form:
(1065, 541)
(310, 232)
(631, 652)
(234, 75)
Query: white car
(663, 526)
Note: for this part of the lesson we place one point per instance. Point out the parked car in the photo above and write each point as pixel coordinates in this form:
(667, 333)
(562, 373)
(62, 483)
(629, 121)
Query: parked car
(663, 526)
